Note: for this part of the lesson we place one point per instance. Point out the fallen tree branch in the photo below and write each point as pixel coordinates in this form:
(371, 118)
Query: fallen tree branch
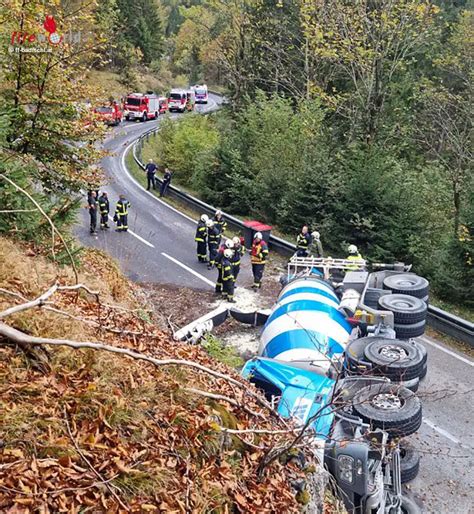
(41, 300)
(87, 461)
(11, 211)
(20, 337)
(53, 226)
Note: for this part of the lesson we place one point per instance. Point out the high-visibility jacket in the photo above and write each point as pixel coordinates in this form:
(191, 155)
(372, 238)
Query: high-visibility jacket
(226, 269)
(239, 251)
(201, 232)
(221, 224)
(213, 236)
(121, 209)
(303, 241)
(259, 253)
(352, 257)
(104, 205)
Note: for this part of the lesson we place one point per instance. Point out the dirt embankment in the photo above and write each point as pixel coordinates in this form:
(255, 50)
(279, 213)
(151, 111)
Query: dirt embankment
(90, 431)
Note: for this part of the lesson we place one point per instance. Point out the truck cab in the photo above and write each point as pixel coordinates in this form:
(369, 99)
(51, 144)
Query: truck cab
(177, 100)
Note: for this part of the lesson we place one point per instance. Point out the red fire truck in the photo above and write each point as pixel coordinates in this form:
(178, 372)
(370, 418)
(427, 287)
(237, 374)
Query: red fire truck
(109, 114)
(138, 106)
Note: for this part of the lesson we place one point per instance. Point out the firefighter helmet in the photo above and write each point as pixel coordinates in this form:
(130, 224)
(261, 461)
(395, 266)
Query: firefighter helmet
(236, 240)
(352, 249)
(228, 253)
(209, 223)
(316, 235)
(229, 243)
(258, 235)
(204, 218)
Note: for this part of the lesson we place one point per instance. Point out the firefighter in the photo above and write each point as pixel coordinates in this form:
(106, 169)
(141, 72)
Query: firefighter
(150, 169)
(239, 252)
(302, 242)
(227, 275)
(227, 245)
(121, 214)
(201, 238)
(165, 182)
(354, 255)
(92, 206)
(316, 248)
(258, 256)
(213, 240)
(104, 208)
(220, 222)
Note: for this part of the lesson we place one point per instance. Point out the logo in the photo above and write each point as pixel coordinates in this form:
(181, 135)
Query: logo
(23, 42)
(50, 26)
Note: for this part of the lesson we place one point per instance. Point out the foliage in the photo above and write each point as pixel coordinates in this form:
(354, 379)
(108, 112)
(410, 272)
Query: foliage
(221, 352)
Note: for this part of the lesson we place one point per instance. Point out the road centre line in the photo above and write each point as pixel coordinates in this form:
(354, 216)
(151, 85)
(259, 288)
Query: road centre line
(445, 350)
(441, 431)
(195, 273)
(136, 235)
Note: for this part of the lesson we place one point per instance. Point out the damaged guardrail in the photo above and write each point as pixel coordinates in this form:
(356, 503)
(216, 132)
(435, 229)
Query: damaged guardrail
(440, 320)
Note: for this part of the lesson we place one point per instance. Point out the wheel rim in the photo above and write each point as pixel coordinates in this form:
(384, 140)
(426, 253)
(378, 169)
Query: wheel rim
(393, 352)
(402, 304)
(386, 401)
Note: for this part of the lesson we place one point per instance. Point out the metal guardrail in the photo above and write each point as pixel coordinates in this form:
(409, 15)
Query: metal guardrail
(440, 320)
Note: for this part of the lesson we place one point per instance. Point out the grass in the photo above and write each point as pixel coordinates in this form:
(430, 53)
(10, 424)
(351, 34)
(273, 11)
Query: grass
(459, 310)
(221, 352)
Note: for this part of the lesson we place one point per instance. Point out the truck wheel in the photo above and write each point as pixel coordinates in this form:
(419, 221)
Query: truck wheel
(409, 462)
(355, 358)
(410, 331)
(396, 360)
(406, 309)
(413, 385)
(408, 506)
(145, 117)
(406, 283)
(389, 407)
(424, 371)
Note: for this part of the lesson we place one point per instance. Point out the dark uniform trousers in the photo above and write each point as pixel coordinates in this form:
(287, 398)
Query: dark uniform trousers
(93, 216)
(200, 238)
(121, 212)
(227, 279)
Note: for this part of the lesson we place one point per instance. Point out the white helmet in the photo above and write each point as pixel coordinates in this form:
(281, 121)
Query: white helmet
(258, 235)
(218, 213)
(209, 223)
(236, 240)
(316, 235)
(229, 243)
(204, 218)
(352, 249)
(228, 253)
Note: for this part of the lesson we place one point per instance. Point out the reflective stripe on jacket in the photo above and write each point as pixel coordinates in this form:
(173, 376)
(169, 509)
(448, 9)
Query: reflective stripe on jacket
(201, 232)
(303, 241)
(122, 207)
(259, 253)
(226, 270)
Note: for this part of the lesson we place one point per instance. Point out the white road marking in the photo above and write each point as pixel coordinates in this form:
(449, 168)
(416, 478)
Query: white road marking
(136, 235)
(441, 431)
(195, 273)
(445, 350)
(148, 192)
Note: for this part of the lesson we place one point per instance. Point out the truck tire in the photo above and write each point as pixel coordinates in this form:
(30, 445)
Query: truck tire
(397, 360)
(410, 331)
(355, 358)
(408, 506)
(406, 309)
(409, 284)
(389, 407)
(145, 117)
(424, 371)
(409, 462)
(413, 385)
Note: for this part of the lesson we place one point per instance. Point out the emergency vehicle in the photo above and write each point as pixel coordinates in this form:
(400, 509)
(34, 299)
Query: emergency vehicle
(109, 114)
(163, 103)
(177, 100)
(144, 107)
(201, 93)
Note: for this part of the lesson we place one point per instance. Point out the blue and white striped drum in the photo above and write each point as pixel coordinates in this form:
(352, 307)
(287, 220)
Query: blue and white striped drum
(305, 324)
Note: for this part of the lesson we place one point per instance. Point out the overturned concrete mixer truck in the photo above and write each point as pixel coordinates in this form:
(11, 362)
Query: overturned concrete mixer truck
(337, 355)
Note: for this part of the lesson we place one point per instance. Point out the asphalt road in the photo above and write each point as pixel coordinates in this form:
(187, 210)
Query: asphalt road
(160, 248)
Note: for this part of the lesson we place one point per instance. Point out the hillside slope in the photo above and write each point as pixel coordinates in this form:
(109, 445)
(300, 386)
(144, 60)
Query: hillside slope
(86, 430)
